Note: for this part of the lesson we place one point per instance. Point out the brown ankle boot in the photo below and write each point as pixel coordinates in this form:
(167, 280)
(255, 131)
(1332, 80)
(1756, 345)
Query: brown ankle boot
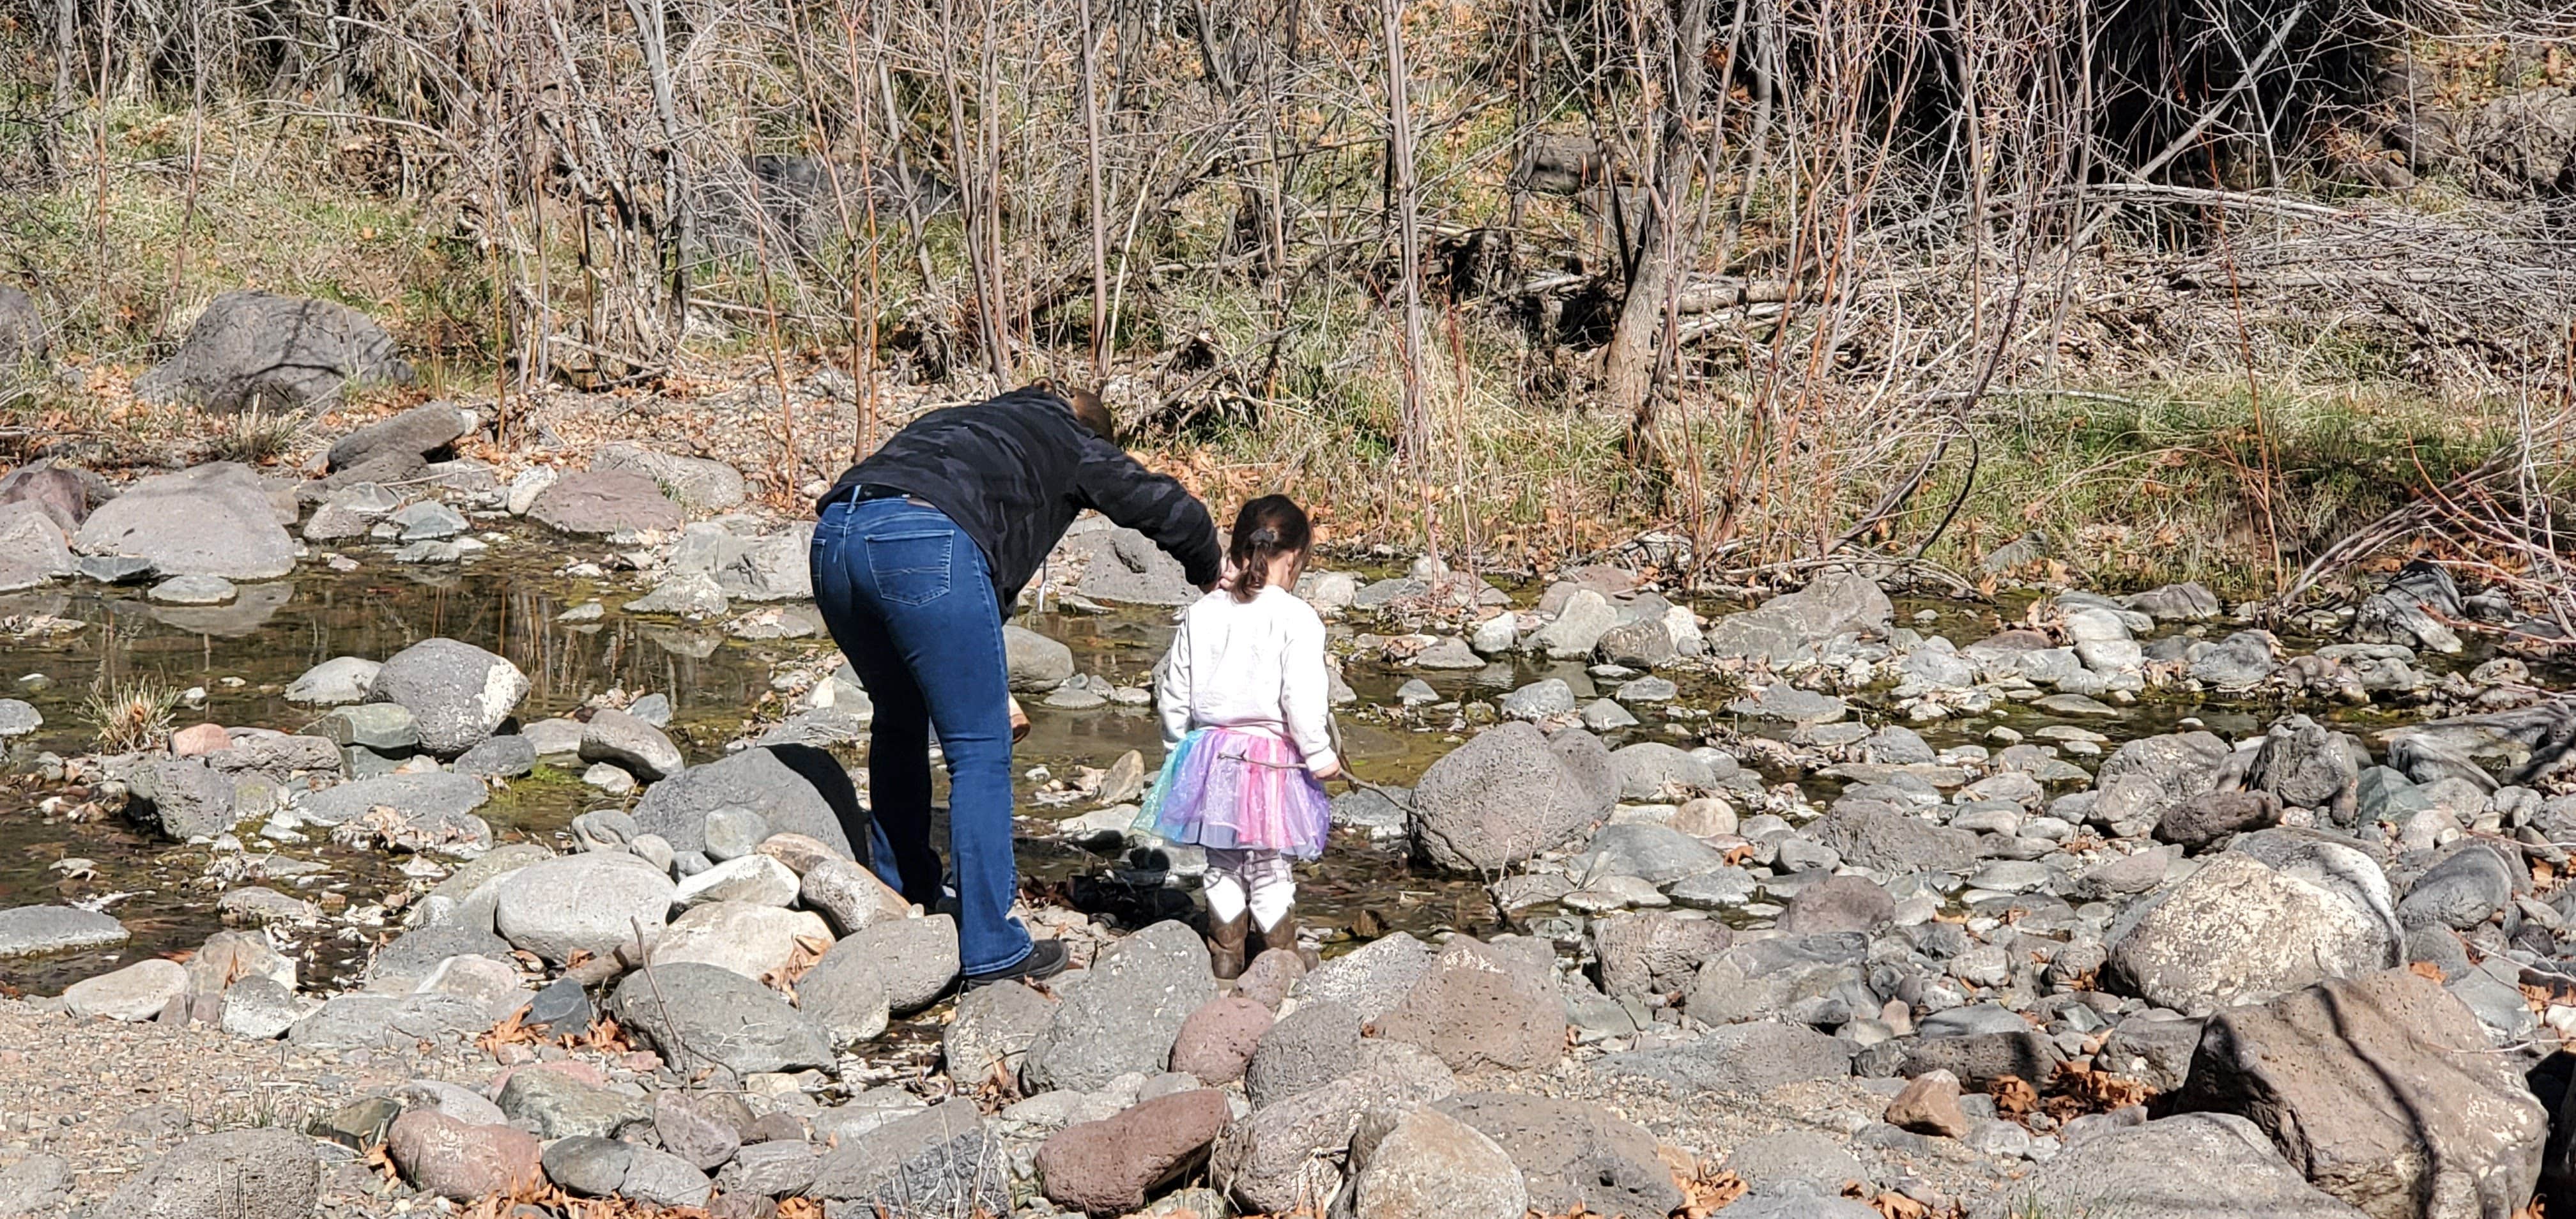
(1282, 935)
(1225, 945)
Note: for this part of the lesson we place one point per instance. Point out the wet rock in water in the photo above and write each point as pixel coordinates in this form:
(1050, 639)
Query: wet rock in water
(457, 693)
(1796, 624)
(419, 432)
(1107, 1167)
(32, 549)
(1411, 1162)
(593, 903)
(603, 502)
(2239, 662)
(1125, 1014)
(1371, 980)
(183, 798)
(609, 778)
(639, 747)
(2211, 818)
(239, 1174)
(697, 482)
(700, 1014)
(686, 594)
(916, 957)
(136, 992)
(1508, 794)
(1789, 704)
(427, 521)
(440, 1155)
(1448, 653)
(1575, 1156)
(1485, 1005)
(192, 590)
(27, 931)
(2383, 1091)
(991, 1031)
(1123, 566)
(936, 1161)
(759, 779)
(1037, 664)
(211, 520)
(253, 350)
(1652, 770)
(2243, 929)
(429, 797)
(502, 757)
(337, 681)
(1538, 700)
(1605, 715)
(384, 728)
(1578, 628)
(1643, 644)
(2410, 610)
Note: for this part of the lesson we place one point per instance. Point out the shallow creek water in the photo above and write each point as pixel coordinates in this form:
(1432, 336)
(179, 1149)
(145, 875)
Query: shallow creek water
(243, 655)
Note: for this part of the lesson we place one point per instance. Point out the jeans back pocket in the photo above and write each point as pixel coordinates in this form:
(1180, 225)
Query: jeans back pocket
(911, 567)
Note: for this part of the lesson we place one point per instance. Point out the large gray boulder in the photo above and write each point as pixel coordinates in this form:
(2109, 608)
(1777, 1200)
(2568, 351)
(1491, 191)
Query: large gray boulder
(2180, 764)
(706, 1015)
(937, 1161)
(1124, 566)
(210, 520)
(2192, 1166)
(762, 780)
(458, 694)
(1124, 1014)
(259, 351)
(1781, 977)
(2242, 930)
(1037, 664)
(1485, 1005)
(1885, 838)
(183, 798)
(239, 1174)
(434, 796)
(766, 567)
(1509, 794)
(2383, 1091)
(1793, 624)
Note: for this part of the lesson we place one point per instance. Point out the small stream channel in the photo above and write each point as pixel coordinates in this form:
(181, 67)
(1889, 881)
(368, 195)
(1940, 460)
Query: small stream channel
(243, 655)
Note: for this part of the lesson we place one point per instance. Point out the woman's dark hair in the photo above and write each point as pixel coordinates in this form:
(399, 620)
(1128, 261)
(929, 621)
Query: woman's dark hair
(1267, 527)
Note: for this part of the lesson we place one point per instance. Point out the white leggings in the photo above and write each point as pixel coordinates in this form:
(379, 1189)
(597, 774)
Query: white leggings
(1255, 880)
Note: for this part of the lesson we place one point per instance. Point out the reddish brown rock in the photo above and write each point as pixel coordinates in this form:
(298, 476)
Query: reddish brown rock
(1217, 1041)
(1485, 1005)
(1106, 1167)
(443, 1156)
(1929, 1105)
(197, 740)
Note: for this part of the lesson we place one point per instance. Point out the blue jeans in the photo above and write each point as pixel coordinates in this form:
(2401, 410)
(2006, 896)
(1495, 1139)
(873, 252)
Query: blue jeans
(907, 597)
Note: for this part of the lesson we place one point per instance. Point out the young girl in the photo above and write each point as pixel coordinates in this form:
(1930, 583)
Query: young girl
(1243, 695)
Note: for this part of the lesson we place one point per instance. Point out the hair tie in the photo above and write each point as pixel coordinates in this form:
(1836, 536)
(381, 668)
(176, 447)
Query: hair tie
(1265, 536)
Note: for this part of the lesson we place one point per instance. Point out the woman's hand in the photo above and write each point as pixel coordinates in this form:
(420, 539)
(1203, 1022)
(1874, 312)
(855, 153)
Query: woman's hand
(1019, 722)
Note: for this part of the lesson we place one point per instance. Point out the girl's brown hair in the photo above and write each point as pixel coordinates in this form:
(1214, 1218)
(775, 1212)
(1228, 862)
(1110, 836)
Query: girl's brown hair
(1268, 527)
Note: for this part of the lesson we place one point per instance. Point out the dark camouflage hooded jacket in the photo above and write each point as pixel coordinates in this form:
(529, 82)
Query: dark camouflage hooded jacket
(1014, 471)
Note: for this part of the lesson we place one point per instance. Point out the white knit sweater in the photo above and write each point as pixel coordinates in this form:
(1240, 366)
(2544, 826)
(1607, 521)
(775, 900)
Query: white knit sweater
(1254, 665)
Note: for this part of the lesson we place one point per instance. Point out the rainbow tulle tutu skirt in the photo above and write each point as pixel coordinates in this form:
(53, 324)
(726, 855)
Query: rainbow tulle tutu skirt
(1238, 790)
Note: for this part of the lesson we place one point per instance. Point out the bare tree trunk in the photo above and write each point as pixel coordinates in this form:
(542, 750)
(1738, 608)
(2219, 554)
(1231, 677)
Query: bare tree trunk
(1634, 364)
(1415, 441)
(676, 235)
(1099, 218)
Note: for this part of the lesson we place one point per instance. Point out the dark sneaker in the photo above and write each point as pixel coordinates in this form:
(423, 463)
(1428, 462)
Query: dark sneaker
(1046, 959)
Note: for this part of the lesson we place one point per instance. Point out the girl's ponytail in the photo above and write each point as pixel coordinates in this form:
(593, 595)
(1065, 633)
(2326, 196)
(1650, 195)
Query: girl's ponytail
(1265, 529)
